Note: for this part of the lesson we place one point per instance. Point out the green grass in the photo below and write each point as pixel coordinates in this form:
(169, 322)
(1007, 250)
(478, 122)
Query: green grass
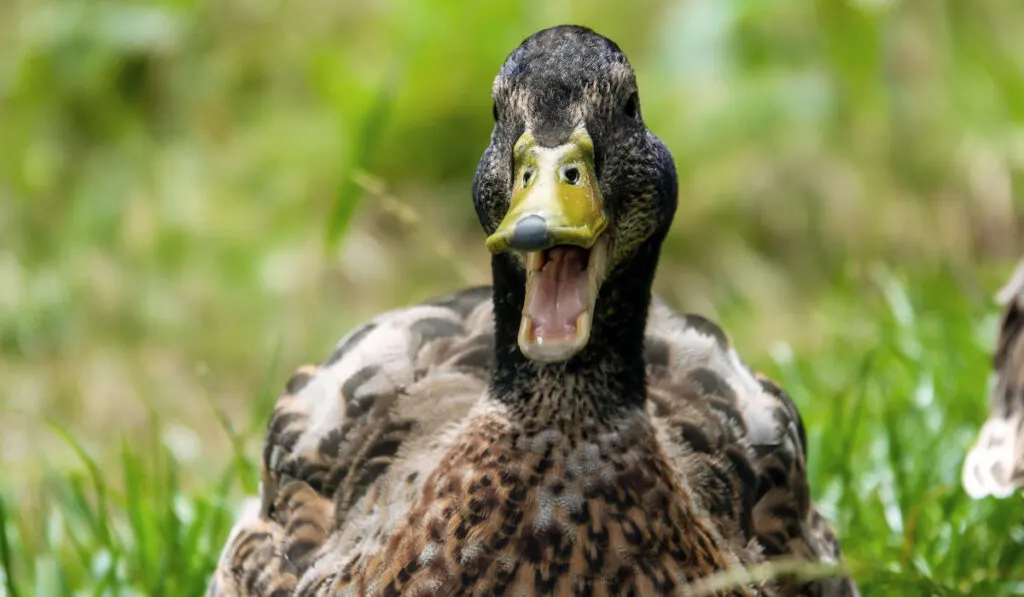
(891, 406)
(195, 199)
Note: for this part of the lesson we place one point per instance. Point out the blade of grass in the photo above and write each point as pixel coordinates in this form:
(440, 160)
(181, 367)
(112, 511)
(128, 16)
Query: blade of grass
(136, 489)
(266, 395)
(245, 469)
(367, 142)
(74, 506)
(169, 522)
(6, 560)
(102, 517)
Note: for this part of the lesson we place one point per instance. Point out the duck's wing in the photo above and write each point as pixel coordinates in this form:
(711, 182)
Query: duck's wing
(995, 463)
(739, 440)
(348, 439)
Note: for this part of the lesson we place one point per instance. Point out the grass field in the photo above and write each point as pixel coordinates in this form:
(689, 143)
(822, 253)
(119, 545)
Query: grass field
(196, 199)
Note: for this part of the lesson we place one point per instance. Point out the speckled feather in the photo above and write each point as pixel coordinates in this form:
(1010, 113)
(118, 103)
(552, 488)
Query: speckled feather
(995, 463)
(389, 470)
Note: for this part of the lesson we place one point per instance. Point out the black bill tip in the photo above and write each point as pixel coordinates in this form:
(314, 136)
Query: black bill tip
(531, 234)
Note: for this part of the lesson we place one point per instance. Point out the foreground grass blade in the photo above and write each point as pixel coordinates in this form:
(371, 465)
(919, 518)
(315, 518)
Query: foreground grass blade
(6, 559)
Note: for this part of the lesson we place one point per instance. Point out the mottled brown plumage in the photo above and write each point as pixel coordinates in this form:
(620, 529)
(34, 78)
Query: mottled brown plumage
(429, 455)
(995, 463)
(388, 466)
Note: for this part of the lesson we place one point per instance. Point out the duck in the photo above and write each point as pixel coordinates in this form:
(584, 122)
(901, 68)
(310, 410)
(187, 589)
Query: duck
(994, 465)
(560, 431)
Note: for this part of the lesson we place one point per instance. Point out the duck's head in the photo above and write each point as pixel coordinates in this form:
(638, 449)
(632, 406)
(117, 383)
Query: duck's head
(573, 191)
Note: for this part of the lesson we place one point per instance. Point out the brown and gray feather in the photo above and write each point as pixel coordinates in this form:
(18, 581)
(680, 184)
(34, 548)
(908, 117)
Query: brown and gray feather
(387, 470)
(995, 463)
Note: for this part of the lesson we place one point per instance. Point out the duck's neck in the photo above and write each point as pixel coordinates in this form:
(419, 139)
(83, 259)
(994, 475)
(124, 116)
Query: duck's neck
(606, 377)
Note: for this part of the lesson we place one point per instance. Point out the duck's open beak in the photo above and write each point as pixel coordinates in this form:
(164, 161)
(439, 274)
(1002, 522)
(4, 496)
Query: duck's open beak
(556, 218)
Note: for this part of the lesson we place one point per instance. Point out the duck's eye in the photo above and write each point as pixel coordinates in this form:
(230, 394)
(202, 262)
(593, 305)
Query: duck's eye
(571, 174)
(632, 108)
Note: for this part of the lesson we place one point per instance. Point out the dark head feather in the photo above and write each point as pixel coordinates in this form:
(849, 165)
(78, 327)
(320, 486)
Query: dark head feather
(556, 80)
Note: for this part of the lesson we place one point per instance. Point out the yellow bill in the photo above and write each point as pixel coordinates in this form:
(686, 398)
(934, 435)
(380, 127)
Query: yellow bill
(556, 218)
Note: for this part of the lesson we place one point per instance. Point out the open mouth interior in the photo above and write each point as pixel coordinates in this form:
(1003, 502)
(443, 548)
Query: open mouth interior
(561, 289)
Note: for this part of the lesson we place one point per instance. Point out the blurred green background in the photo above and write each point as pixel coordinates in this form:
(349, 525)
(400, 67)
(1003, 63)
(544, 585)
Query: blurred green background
(196, 198)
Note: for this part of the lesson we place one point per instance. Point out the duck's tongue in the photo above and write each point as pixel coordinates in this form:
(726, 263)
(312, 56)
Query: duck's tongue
(559, 294)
